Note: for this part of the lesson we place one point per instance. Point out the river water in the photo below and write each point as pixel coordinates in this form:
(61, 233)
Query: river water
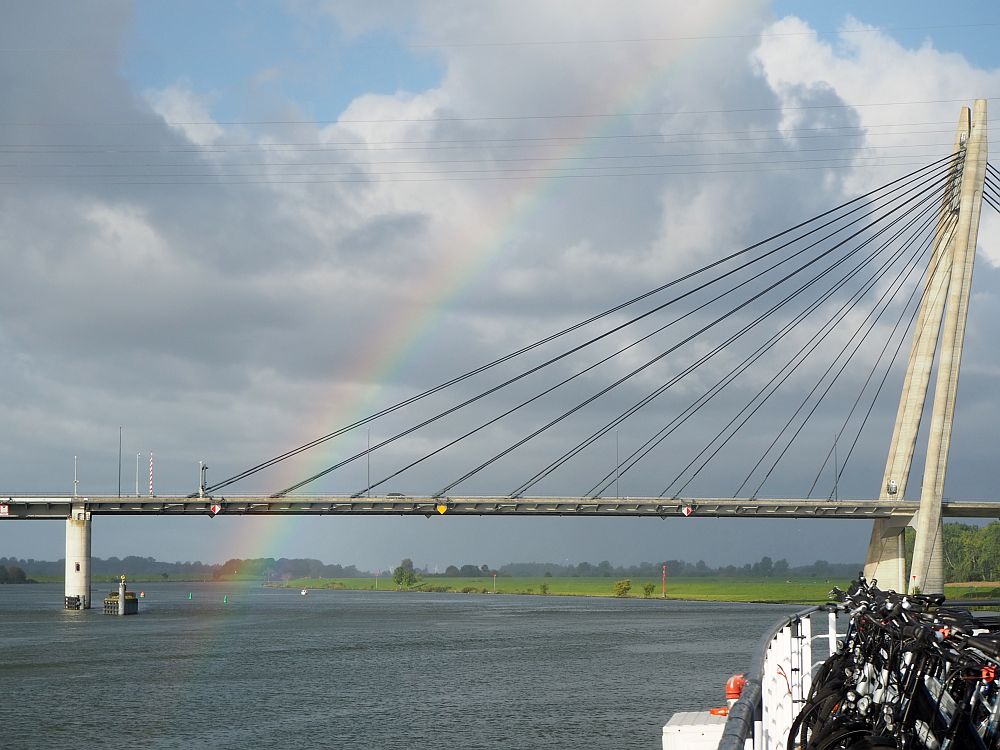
(342, 669)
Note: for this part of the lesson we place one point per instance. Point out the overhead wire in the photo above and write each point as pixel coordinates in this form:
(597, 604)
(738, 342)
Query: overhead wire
(687, 38)
(492, 159)
(368, 179)
(545, 171)
(669, 137)
(492, 118)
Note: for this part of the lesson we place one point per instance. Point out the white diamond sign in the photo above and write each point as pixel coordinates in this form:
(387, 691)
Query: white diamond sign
(215, 509)
(4, 510)
(687, 510)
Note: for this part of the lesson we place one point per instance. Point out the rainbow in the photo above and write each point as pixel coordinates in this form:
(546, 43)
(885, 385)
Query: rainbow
(397, 336)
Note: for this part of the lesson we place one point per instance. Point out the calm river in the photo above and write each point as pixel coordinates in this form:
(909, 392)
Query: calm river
(340, 669)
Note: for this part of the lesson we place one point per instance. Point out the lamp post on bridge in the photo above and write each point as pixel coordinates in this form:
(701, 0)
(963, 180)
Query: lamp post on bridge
(202, 477)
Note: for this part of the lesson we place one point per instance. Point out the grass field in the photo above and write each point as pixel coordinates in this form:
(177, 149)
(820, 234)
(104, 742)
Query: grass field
(765, 590)
(769, 590)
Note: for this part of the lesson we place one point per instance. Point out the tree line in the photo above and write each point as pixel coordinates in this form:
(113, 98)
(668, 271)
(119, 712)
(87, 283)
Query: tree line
(264, 568)
(971, 553)
(766, 567)
(13, 574)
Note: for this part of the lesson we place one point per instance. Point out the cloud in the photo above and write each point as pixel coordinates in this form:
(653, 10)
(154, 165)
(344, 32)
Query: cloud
(228, 290)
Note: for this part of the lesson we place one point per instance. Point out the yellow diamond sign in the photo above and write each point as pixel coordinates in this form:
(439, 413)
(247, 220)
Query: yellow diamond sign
(442, 508)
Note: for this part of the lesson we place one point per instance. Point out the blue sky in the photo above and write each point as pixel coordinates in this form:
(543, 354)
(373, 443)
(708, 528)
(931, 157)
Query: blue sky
(255, 59)
(902, 17)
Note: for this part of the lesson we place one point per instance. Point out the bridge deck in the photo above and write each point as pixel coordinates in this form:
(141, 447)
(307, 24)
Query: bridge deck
(30, 507)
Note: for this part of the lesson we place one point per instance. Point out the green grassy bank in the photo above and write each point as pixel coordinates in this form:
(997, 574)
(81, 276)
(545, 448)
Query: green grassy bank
(767, 590)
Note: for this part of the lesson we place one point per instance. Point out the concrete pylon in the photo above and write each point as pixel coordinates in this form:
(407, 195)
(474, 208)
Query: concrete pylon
(927, 572)
(886, 558)
(77, 580)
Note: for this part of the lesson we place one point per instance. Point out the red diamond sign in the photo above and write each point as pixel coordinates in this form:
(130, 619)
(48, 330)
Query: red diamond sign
(215, 509)
(687, 510)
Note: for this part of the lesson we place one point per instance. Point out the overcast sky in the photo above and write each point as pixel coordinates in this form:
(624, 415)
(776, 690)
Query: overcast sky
(233, 227)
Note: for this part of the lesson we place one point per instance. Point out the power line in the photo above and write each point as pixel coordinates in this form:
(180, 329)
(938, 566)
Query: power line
(531, 170)
(685, 38)
(820, 131)
(483, 178)
(491, 159)
(491, 118)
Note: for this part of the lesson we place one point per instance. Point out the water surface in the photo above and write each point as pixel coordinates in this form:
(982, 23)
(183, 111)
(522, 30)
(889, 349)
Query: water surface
(344, 669)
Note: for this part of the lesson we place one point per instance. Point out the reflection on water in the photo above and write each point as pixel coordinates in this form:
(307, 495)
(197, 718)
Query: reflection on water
(274, 669)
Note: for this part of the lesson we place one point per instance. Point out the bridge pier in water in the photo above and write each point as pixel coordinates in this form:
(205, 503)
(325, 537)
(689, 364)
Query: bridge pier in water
(78, 584)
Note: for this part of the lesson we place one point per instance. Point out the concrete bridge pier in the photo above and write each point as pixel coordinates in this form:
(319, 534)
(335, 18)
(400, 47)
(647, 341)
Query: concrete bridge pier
(78, 559)
(886, 560)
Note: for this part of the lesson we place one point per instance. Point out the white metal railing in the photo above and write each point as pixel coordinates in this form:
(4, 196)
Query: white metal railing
(778, 682)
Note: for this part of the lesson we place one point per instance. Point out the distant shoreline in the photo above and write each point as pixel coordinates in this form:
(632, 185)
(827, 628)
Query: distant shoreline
(709, 589)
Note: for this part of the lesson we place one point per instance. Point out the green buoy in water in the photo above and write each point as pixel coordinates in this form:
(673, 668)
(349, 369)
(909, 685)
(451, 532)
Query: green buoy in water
(190, 596)
(225, 599)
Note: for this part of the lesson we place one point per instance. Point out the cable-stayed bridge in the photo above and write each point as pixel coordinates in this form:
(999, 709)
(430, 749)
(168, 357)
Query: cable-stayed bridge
(827, 300)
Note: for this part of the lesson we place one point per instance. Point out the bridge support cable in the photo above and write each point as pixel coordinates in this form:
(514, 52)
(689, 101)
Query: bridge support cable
(840, 471)
(885, 375)
(764, 394)
(858, 203)
(683, 417)
(656, 393)
(688, 339)
(918, 189)
(871, 406)
(884, 302)
(656, 439)
(991, 184)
